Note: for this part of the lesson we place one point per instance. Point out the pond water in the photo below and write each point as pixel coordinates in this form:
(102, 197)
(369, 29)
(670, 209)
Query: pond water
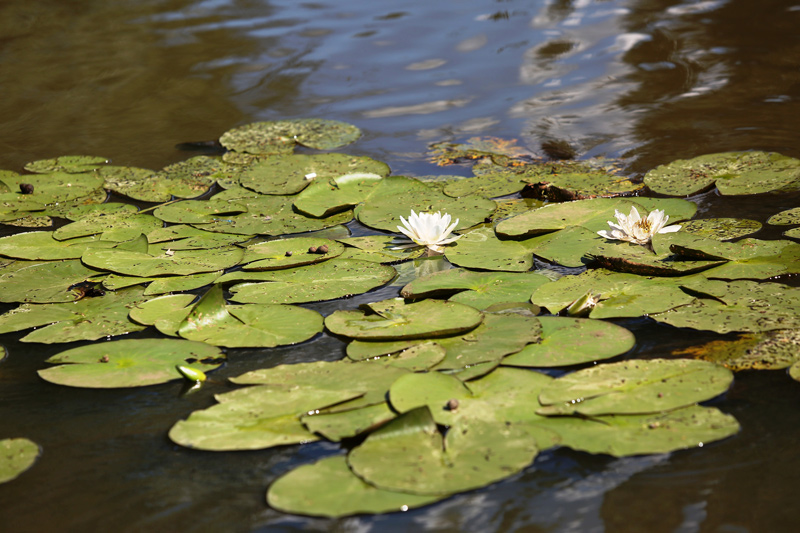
(646, 81)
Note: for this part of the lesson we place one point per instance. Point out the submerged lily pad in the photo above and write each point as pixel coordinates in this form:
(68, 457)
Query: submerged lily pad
(571, 341)
(322, 281)
(329, 488)
(474, 453)
(394, 319)
(770, 350)
(129, 363)
(635, 387)
(732, 173)
(16, 456)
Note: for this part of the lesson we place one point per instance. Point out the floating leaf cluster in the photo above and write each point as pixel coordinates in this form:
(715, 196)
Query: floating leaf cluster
(439, 386)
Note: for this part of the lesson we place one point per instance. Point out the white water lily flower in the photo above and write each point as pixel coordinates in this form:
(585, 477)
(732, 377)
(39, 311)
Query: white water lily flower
(427, 229)
(633, 228)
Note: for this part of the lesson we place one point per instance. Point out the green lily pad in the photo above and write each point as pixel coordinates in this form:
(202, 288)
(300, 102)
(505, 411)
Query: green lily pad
(44, 282)
(77, 212)
(67, 163)
(635, 259)
(190, 178)
(290, 174)
(288, 253)
(482, 249)
(197, 211)
(416, 358)
(345, 424)
(592, 214)
(486, 185)
(270, 215)
(771, 350)
(568, 247)
(183, 237)
(721, 229)
(789, 216)
(662, 432)
(166, 313)
(190, 282)
(265, 325)
(41, 246)
(432, 389)
(571, 341)
(17, 456)
(337, 193)
(128, 363)
(382, 210)
(732, 173)
(378, 249)
(255, 418)
(180, 262)
(746, 258)
(117, 226)
(329, 488)
(739, 305)
(49, 188)
(86, 319)
(279, 137)
(394, 319)
(373, 380)
(136, 183)
(635, 387)
(619, 294)
(473, 454)
(478, 289)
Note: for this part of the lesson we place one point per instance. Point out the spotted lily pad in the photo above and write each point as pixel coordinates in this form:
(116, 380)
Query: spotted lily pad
(770, 350)
(378, 249)
(482, 249)
(329, 488)
(45, 282)
(49, 188)
(486, 185)
(288, 253)
(129, 363)
(255, 418)
(181, 262)
(279, 137)
(746, 258)
(660, 432)
(67, 163)
(474, 453)
(722, 229)
(636, 259)
(322, 281)
(732, 173)
(197, 211)
(571, 341)
(619, 294)
(635, 387)
(137, 183)
(183, 237)
(290, 174)
(16, 456)
(87, 319)
(326, 196)
(740, 305)
(394, 319)
(478, 289)
(117, 226)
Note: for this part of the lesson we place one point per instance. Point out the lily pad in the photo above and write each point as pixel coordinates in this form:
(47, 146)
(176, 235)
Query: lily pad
(255, 418)
(746, 258)
(478, 289)
(44, 282)
(487, 185)
(197, 211)
(789, 216)
(473, 454)
(329, 488)
(279, 137)
(326, 196)
(378, 249)
(136, 183)
(181, 262)
(211, 321)
(482, 249)
(662, 432)
(382, 210)
(770, 350)
(67, 163)
(722, 229)
(339, 425)
(183, 237)
(619, 294)
(41, 246)
(432, 389)
(16, 456)
(290, 174)
(117, 226)
(571, 341)
(49, 188)
(394, 319)
(322, 281)
(635, 259)
(635, 387)
(86, 319)
(288, 253)
(166, 313)
(732, 173)
(128, 363)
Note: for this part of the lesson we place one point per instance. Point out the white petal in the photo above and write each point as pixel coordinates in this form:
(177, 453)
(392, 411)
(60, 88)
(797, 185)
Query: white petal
(670, 229)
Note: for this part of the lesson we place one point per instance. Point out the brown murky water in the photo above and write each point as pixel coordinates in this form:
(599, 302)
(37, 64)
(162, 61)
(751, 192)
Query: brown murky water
(648, 81)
